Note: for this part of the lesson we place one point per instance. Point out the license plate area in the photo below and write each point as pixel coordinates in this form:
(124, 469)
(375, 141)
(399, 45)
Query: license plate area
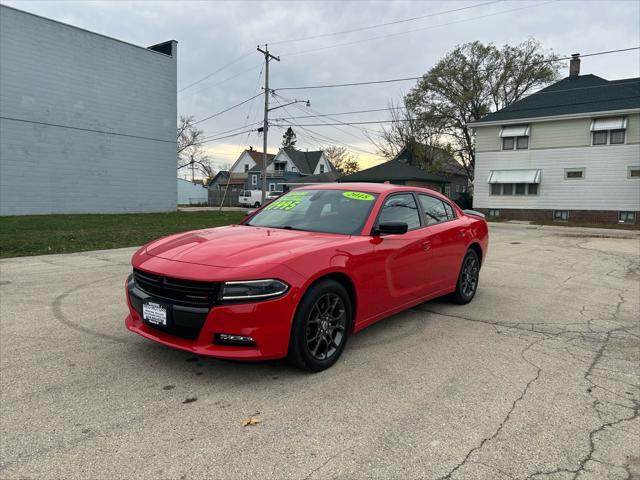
(156, 313)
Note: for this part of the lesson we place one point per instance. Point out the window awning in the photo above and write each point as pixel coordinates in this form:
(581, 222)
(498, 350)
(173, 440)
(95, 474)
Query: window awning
(612, 123)
(514, 176)
(515, 131)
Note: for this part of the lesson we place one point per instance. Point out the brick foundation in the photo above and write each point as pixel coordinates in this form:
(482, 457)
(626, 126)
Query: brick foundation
(575, 216)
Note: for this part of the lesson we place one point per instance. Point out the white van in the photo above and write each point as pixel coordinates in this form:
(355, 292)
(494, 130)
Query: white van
(250, 198)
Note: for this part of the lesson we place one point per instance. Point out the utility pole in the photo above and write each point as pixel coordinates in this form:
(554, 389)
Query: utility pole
(265, 127)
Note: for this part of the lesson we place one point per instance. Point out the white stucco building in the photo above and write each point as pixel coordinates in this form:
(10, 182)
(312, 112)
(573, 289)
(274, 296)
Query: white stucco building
(87, 122)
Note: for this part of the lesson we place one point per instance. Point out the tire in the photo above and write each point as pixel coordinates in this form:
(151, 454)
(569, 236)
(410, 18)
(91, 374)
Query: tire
(256, 205)
(467, 279)
(319, 332)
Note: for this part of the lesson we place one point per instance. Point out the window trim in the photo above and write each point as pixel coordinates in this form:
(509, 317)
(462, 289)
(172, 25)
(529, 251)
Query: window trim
(424, 215)
(560, 219)
(254, 180)
(629, 169)
(583, 171)
(523, 148)
(374, 227)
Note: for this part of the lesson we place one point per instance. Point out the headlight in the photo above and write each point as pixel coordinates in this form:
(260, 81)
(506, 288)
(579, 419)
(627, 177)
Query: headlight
(250, 289)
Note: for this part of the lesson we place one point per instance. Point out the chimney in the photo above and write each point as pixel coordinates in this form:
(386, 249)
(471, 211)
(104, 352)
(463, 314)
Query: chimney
(574, 65)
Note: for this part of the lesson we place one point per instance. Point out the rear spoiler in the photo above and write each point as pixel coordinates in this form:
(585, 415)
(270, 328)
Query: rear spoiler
(474, 212)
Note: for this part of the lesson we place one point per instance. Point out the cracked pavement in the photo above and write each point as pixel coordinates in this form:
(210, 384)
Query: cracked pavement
(537, 378)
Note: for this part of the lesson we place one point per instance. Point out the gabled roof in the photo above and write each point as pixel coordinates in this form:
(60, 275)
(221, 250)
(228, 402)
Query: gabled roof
(393, 170)
(257, 156)
(305, 162)
(572, 96)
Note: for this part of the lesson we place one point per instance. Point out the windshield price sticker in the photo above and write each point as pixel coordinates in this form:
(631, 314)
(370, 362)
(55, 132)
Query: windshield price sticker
(359, 196)
(289, 202)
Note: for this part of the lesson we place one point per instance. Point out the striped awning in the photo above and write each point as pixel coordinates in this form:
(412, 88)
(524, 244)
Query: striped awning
(514, 176)
(611, 123)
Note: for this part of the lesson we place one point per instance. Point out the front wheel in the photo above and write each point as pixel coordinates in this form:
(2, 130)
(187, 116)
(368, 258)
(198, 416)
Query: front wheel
(256, 205)
(320, 326)
(467, 279)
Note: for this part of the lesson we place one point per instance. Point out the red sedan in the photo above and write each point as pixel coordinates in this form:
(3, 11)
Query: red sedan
(297, 277)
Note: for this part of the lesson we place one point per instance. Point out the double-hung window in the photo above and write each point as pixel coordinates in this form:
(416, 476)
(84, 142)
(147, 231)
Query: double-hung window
(515, 137)
(608, 131)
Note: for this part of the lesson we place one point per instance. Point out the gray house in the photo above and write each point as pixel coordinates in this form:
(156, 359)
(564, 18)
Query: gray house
(87, 122)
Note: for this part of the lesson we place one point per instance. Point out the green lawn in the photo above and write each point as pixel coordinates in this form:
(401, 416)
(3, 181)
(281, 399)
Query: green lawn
(42, 234)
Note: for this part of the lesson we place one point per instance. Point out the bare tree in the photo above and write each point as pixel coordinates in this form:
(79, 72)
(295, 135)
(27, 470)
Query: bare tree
(191, 153)
(343, 161)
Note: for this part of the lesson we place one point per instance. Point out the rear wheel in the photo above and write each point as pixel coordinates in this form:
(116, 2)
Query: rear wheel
(320, 327)
(256, 205)
(467, 279)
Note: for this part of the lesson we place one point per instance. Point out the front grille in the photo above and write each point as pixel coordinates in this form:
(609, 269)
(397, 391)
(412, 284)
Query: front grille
(186, 292)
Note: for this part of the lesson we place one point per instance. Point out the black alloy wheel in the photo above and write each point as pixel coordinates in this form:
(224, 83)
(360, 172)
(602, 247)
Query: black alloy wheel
(467, 279)
(321, 326)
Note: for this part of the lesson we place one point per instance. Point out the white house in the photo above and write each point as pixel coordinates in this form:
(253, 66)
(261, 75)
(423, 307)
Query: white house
(87, 122)
(570, 152)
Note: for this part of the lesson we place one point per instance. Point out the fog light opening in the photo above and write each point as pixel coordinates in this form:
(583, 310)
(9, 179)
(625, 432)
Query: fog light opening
(228, 339)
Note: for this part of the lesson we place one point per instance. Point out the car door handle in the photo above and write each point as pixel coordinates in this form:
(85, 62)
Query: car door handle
(426, 245)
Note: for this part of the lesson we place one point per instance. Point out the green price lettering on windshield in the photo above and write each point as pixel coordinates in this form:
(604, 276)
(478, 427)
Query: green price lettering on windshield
(358, 196)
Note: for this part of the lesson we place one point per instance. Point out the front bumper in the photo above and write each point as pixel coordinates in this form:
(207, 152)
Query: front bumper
(194, 329)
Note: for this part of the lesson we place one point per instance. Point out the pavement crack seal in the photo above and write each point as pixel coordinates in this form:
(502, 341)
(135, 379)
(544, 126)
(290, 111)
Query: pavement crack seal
(56, 306)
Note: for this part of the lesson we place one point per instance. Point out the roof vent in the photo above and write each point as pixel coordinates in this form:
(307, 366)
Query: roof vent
(574, 65)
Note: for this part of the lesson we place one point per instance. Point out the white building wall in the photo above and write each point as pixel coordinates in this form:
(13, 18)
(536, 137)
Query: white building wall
(87, 122)
(323, 161)
(606, 185)
(191, 193)
(244, 160)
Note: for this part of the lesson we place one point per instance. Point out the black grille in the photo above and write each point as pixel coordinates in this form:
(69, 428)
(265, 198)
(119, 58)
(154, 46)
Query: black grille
(186, 292)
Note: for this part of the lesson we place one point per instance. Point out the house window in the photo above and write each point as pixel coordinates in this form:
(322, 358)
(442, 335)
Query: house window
(573, 173)
(507, 189)
(561, 215)
(616, 137)
(254, 180)
(321, 168)
(494, 212)
(532, 189)
(633, 172)
(514, 189)
(520, 188)
(279, 166)
(608, 131)
(496, 189)
(246, 168)
(522, 143)
(507, 143)
(272, 187)
(600, 138)
(627, 217)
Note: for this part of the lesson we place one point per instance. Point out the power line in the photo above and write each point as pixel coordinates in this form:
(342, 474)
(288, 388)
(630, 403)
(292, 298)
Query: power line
(338, 113)
(209, 87)
(218, 70)
(88, 130)
(345, 123)
(227, 109)
(379, 25)
(222, 138)
(404, 79)
(405, 32)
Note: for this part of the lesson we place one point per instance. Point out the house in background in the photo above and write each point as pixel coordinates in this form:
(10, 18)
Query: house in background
(236, 177)
(190, 193)
(83, 118)
(570, 152)
(288, 165)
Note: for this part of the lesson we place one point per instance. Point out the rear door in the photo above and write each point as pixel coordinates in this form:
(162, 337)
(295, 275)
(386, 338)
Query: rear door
(446, 242)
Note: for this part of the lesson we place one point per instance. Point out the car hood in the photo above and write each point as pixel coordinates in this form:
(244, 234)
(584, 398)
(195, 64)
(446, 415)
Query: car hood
(239, 245)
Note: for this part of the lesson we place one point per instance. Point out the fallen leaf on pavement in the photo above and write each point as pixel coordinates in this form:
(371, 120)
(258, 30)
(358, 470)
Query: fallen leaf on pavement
(251, 421)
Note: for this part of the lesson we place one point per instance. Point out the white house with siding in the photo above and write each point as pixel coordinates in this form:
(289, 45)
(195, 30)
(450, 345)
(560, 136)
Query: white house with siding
(570, 152)
(87, 122)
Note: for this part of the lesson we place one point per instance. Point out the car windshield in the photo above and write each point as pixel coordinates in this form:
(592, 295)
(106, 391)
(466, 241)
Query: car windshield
(326, 211)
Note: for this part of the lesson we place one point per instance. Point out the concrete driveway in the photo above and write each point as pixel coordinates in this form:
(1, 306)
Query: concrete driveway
(537, 378)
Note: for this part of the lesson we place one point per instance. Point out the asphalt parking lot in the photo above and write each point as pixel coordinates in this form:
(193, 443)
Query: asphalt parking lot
(537, 378)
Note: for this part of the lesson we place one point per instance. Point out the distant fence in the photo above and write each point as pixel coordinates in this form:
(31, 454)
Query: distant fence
(230, 199)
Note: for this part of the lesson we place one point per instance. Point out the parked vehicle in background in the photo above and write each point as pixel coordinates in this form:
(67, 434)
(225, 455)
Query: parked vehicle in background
(271, 196)
(301, 274)
(250, 198)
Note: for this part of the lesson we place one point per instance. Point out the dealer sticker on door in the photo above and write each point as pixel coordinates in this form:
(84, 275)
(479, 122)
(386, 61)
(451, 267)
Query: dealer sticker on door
(154, 313)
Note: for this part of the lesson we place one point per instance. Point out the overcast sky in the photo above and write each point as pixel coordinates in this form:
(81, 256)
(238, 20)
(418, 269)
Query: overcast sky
(211, 35)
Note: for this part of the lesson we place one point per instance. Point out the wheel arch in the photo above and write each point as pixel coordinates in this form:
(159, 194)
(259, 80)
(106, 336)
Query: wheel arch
(346, 281)
(475, 246)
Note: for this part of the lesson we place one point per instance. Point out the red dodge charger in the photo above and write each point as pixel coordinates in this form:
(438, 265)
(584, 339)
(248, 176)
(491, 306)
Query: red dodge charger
(298, 276)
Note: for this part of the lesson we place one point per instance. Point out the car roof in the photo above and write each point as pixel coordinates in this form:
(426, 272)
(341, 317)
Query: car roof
(366, 187)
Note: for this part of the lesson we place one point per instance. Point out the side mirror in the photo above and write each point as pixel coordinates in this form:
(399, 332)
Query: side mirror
(391, 228)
